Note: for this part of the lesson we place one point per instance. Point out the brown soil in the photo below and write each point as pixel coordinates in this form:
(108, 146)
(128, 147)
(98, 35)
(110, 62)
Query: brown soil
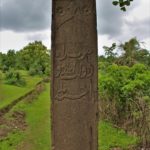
(17, 121)
(30, 95)
(4, 132)
(17, 118)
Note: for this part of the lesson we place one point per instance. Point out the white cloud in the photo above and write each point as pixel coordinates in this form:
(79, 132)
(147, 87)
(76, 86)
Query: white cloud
(142, 11)
(104, 40)
(146, 43)
(12, 40)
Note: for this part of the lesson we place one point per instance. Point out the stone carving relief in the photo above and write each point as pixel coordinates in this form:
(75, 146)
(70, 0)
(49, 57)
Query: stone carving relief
(72, 7)
(72, 90)
(74, 75)
(73, 50)
(74, 70)
(70, 10)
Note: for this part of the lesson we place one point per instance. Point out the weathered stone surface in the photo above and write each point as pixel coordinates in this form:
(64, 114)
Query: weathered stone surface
(74, 76)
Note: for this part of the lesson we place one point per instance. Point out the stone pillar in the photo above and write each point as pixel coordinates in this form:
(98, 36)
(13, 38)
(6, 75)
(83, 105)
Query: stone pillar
(74, 75)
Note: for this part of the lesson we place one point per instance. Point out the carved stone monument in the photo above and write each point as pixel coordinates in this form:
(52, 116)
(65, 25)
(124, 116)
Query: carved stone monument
(74, 77)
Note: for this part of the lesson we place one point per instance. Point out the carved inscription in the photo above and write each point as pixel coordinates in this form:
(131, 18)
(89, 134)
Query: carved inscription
(70, 11)
(74, 75)
(72, 7)
(73, 71)
(66, 90)
(73, 50)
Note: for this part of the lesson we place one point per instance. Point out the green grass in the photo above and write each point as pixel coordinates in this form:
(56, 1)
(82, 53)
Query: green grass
(9, 93)
(110, 137)
(37, 135)
(12, 140)
(38, 120)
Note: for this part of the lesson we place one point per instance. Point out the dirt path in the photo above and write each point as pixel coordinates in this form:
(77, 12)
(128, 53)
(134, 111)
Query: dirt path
(17, 118)
(30, 94)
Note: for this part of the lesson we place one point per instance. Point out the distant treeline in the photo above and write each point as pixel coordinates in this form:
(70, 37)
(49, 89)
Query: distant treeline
(34, 57)
(128, 53)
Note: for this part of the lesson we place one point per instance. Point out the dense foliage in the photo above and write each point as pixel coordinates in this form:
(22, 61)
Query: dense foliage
(34, 57)
(14, 78)
(122, 3)
(124, 88)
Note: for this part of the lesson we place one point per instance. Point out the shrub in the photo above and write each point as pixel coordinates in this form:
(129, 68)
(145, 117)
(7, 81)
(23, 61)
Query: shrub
(14, 78)
(47, 71)
(125, 97)
(32, 71)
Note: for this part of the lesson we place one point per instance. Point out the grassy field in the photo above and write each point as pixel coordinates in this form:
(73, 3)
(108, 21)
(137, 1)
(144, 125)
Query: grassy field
(110, 137)
(9, 92)
(37, 134)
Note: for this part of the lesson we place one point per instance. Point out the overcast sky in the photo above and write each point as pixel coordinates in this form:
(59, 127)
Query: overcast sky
(24, 21)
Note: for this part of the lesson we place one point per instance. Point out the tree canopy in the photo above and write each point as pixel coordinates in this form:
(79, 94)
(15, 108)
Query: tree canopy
(122, 3)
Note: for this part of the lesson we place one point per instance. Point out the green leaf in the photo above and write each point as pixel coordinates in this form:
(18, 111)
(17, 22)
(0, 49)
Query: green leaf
(127, 3)
(123, 9)
(122, 4)
(120, 1)
(115, 3)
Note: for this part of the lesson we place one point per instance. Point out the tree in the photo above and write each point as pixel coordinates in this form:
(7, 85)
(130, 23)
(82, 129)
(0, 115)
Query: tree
(125, 98)
(8, 60)
(11, 58)
(129, 50)
(14, 78)
(35, 58)
(109, 52)
(143, 56)
(129, 53)
(122, 3)
(1, 94)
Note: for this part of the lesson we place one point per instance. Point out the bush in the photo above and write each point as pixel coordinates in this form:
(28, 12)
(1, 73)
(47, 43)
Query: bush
(125, 97)
(5, 68)
(36, 69)
(47, 71)
(32, 71)
(14, 78)
(0, 85)
(123, 84)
